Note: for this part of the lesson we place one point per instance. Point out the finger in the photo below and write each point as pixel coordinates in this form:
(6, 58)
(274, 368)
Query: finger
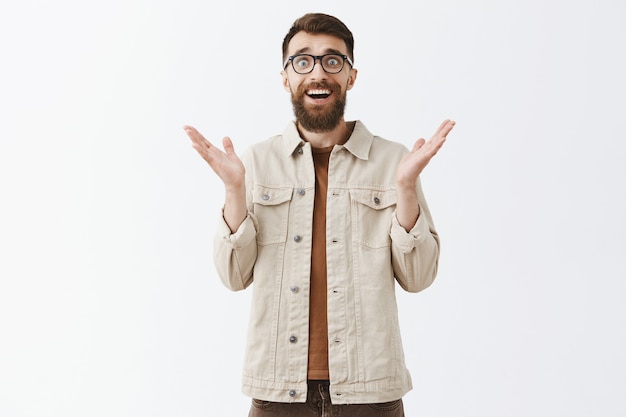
(228, 145)
(418, 144)
(197, 137)
(440, 128)
(436, 142)
(193, 134)
(445, 128)
(190, 130)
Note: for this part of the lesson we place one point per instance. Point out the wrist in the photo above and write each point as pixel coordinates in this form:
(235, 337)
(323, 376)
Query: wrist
(406, 185)
(238, 189)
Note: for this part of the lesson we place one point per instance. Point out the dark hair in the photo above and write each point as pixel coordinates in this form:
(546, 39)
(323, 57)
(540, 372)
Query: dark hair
(320, 23)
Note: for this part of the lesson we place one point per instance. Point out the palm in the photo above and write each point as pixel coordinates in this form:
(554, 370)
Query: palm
(226, 164)
(413, 163)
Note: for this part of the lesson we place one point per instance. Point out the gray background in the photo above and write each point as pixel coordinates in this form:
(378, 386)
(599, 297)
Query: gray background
(109, 304)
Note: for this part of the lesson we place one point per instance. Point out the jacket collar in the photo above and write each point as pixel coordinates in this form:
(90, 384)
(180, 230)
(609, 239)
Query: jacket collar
(358, 144)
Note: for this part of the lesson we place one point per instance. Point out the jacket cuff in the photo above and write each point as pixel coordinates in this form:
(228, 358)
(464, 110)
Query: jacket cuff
(406, 241)
(242, 237)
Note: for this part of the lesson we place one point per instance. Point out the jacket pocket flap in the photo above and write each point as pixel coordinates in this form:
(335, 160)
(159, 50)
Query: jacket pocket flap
(377, 200)
(268, 196)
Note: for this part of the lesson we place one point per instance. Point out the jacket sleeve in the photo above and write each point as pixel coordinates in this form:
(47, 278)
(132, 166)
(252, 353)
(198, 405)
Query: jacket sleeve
(234, 254)
(415, 254)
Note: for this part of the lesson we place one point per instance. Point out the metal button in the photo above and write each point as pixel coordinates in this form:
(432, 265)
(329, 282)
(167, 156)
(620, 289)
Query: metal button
(300, 151)
(294, 289)
(265, 197)
(292, 392)
(297, 238)
(301, 191)
(293, 339)
(376, 200)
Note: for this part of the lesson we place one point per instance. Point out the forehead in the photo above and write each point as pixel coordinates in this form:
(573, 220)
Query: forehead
(315, 43)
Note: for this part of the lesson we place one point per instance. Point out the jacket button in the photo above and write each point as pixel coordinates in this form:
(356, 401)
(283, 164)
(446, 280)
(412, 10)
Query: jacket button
(294, 289)
(293, 339)
(300, 151)
(265, 197)
(297, 238)
(301, 191)
(292, 392)
(376, 200)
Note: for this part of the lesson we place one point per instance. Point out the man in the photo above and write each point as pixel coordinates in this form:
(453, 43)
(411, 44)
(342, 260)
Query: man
(322, 219)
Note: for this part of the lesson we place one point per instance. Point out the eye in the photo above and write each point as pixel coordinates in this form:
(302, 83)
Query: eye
(302, 61)
(333, 61)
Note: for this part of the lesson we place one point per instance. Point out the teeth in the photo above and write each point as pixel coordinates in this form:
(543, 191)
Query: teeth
(316, 92)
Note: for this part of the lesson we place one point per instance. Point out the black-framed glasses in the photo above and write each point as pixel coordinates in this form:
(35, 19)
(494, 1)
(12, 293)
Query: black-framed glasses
(304, 63)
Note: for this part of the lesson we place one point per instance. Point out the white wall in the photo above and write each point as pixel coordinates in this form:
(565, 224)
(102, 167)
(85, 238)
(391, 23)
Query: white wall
(109, 305)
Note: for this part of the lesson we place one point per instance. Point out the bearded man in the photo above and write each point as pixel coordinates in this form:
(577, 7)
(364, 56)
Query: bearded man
(324, 219)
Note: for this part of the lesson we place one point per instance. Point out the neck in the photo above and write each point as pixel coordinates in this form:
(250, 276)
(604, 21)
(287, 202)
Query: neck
(338, 136)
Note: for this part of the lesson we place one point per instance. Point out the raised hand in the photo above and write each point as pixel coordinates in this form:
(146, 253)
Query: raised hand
(413, 163)
(409, 169)
(226, 164)
(230, 169)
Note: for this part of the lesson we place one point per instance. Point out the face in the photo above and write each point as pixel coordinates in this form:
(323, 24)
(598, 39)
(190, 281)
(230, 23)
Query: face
(318, 98)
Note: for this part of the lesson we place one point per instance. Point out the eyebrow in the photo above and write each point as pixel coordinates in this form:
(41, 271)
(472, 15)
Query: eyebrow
(327, 51)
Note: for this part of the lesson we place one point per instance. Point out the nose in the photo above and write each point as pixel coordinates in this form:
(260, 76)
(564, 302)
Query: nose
(318, 72)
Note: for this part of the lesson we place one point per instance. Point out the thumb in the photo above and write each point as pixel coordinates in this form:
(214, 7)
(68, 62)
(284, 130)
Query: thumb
(418, 144)
(228, 145)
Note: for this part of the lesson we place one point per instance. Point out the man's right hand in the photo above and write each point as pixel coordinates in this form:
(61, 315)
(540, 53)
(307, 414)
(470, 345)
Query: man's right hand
(231, 171)
(226, 164)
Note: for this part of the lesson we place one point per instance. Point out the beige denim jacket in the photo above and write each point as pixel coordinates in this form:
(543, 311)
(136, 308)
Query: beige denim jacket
(366, 249)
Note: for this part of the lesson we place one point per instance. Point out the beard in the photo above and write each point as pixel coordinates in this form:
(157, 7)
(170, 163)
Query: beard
(319, 119)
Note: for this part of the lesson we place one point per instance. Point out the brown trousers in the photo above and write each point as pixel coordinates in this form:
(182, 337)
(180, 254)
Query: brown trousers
(318, 405)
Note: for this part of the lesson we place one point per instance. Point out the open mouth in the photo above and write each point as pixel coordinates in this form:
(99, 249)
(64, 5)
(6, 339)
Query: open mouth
(318, 93)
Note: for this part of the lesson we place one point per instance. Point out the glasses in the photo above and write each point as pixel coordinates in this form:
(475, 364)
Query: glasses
(304, 63)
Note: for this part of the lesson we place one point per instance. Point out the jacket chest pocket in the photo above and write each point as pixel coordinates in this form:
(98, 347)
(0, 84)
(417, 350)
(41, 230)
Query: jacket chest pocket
(372, 211)
(271, 210)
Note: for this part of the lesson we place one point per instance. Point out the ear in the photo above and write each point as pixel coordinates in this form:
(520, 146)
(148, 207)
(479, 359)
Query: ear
(286, 85)
(352, 78)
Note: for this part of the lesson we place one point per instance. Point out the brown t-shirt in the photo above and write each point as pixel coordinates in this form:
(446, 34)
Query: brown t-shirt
(318, 318)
